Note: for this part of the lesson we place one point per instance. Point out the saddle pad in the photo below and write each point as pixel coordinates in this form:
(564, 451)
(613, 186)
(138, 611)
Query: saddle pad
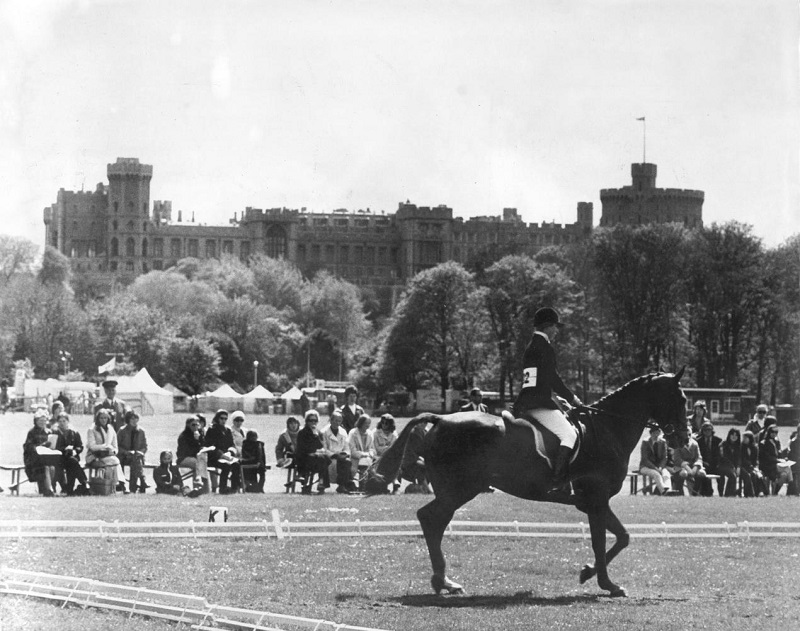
(547, 443)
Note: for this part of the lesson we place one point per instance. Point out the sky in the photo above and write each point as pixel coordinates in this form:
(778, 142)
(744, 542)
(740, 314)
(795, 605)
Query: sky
(478, 105)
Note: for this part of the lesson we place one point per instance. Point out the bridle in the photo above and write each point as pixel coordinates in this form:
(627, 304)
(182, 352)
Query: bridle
(648, 423)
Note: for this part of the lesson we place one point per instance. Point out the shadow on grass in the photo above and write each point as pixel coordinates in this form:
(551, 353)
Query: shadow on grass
(490, 601)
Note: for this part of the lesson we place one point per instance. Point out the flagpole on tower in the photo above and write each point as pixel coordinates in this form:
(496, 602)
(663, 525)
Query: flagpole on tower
(644, 139)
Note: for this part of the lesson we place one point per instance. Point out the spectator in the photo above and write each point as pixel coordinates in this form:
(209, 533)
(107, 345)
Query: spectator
(475, 402)
(385, 434)
(336, 445)
(117, 407)
(769, 453)
(193, 455)
(769, 421)
(132, 444)
(70, 445)
(362, 447)
(65, 402)
(3, 396)
(687, 464)
(255, 461)
(653, 461)
(101, 447)
(286, 448)
(698, 416)
(754, 424)
(752, 479)
(238, 431)
(351, 411)
(223, 456)
(167, 476)
(41, 467)
(412, 467)
(794, 456)
(709, 445)
(55, 411)
(730, 463)
(311, 456)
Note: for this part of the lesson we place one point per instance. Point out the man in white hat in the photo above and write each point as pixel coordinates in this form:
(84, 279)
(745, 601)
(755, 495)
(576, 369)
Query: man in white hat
(117, 407)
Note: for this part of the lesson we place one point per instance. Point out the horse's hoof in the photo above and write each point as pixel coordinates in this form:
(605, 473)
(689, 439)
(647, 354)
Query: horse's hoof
(619, 592)
(586, 573)
(440, 584)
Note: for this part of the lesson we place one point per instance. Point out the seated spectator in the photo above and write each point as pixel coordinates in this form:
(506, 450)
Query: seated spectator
(385, 434)
(238, 431)
(351, 410)
(193, 455)
(653, 461)
(41, 467)
(794, 456)
(70, 445)
(709, 445)
(475, 403)
(687, 464)
(56, 410)
(101, 447)
(167, 477)
(697, 417)
(730, 463)
(412, 467)
(310, 454)
(223, 456)
(336, 445)
(752, 479)
(286, 448)
(255, 459)
(754, 424)
(769, 421)
(362, 447)
(769, 453)
(132, 444)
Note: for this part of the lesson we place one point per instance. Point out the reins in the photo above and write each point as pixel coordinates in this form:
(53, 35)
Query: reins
(630, 419)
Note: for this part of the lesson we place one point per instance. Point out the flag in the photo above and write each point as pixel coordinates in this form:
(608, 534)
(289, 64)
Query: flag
(640, 119)
(108, 366)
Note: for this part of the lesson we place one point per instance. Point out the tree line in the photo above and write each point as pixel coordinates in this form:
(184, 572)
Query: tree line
(635, 299)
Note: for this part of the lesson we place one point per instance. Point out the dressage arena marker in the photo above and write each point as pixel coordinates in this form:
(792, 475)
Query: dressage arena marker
(180, 608)
(281, 530)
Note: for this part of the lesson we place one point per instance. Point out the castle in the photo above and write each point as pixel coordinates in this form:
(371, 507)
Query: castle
(112, 235)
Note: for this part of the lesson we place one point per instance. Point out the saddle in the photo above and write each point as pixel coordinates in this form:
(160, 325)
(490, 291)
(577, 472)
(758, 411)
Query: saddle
(546, 441)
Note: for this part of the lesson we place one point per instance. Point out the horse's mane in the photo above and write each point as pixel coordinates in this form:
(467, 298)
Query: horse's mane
(625, 389)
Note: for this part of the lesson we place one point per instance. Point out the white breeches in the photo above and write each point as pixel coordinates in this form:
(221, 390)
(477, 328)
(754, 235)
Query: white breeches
(556, 422)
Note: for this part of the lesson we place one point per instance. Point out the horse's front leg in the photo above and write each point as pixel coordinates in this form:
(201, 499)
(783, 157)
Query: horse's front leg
(601, 519)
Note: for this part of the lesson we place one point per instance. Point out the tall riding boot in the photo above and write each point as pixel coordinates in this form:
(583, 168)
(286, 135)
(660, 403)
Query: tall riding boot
(560, 484)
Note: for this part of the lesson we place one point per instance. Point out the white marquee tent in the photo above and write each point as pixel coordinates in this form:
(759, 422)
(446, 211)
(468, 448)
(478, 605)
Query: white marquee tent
(143, 394)
(224, 398)
(257, 400)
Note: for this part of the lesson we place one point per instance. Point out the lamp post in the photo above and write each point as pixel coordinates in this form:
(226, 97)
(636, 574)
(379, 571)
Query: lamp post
(255, 373)
(65, 357)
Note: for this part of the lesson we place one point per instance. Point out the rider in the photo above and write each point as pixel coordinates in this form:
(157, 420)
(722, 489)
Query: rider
(539, 381)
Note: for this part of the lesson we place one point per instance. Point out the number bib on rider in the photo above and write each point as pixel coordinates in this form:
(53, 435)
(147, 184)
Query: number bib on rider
(529, 377)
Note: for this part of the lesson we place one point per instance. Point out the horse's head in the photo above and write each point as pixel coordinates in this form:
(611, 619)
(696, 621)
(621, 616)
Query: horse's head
(668, 403)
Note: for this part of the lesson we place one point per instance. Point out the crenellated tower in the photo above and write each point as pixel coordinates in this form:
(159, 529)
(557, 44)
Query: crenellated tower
(128, 218)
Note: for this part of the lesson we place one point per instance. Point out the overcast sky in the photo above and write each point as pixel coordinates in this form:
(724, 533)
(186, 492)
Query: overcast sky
(331, 104)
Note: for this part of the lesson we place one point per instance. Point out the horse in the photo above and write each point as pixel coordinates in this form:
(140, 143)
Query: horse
(468, 452)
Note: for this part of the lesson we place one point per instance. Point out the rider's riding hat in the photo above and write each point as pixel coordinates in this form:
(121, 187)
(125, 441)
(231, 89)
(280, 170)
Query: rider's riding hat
(545, 317)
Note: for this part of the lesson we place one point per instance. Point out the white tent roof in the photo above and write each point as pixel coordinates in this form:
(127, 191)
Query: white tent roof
(292, 394)
(259, 392)
(140, 382)
(175, 390)
(225, 392)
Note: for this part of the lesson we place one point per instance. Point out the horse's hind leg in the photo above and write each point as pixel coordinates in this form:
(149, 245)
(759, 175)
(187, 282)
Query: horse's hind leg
(600, 520)
(434, 517)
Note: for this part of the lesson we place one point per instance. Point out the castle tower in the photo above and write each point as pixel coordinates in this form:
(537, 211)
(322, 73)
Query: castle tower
(127, 220)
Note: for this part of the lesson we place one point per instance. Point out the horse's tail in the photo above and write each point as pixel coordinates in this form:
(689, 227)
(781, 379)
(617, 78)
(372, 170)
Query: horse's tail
(387, 467)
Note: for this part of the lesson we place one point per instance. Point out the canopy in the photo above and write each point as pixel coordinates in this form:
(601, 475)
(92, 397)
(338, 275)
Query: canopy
(141, 392)
(224, 398)
(259, 392)
(293, 394)
(257, 401)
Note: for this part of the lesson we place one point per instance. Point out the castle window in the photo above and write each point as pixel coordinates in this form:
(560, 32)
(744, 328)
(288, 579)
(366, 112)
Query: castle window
(130, 206)
(244, 250)
(276, 242)
(193, 247)
(128, 266)
(158, 265)
(73, 252)
(369, 255)
(211, 249)
(344, 254)
(144, 247)
(74, 226)
(144, 227)
(130, 225)
(340, 222)
(158, 247)
(130, 247)
(144, 208)
(321, 221)
(329, 252)
(227, 247)
(90, 252)
(113, 266)
(315, 253)
(114, 247)
(175, 248)
(362, 223)
(145, 268)
(382, 255)
(301, 253)
(114, 225)
(116, 207)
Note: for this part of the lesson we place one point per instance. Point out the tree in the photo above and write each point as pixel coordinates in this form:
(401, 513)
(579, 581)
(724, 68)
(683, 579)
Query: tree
(55, 269)
(17, 256)
(640, 295)
(191, 364)
(229, 275)
(278, 283)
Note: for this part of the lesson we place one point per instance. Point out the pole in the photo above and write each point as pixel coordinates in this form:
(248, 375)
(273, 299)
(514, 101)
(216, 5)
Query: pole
(308, 362)
(255, 373)
(644, 139)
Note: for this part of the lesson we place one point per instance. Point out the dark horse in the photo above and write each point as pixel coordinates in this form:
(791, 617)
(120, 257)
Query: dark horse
(467, 452)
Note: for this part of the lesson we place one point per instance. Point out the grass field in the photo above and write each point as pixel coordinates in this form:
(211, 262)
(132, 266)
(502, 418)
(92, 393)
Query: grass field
(511, 583)
(380, 582)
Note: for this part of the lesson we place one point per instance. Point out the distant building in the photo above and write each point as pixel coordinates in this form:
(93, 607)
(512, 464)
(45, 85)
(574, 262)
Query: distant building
(643, 203)
(112, 235)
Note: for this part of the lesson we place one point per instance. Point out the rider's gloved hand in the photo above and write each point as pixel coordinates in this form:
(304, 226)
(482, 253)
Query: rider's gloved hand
(576, 402)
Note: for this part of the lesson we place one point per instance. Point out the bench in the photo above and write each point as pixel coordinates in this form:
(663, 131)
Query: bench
(16, 476)
(633, 477)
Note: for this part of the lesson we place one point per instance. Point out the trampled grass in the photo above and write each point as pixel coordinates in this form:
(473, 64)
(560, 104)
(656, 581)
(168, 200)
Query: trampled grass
(383, 582)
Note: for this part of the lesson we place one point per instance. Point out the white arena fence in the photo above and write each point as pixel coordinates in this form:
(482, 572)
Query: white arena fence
(179, 608)
(283, 529)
